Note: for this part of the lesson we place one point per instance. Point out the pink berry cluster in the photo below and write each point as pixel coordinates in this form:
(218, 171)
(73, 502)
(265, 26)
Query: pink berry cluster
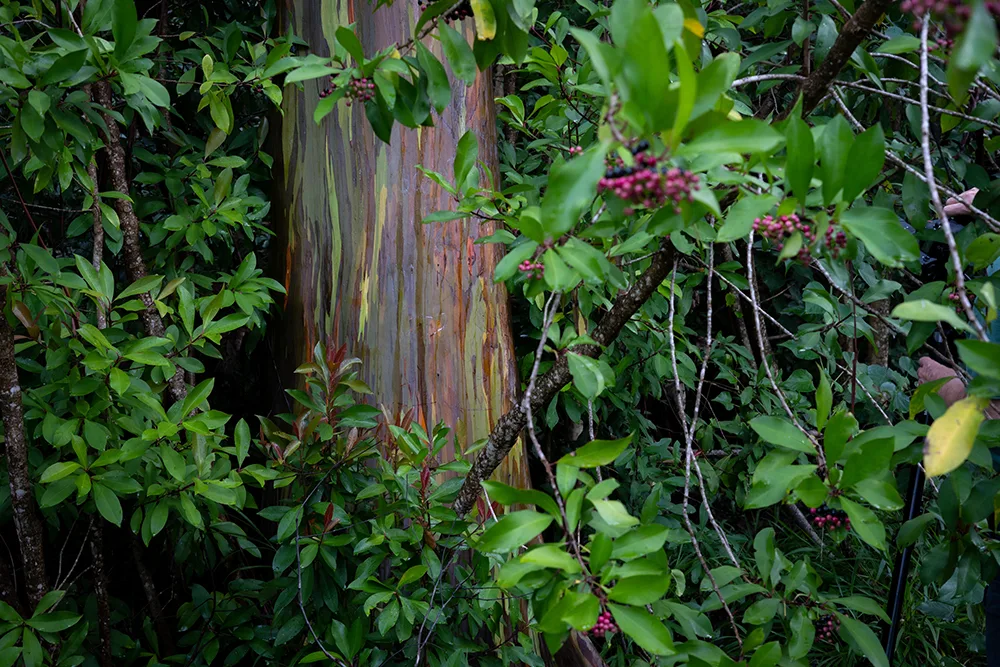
(827, 626)
(531, 269)
(648, 185)
(575, 150)
(359, 89)
(778, 229)
(952, 14)
(604, 624)
(836, 240)
(826, 517)
(462, 10)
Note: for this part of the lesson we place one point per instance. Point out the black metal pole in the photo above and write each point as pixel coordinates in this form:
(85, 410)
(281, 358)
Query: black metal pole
(897, 589)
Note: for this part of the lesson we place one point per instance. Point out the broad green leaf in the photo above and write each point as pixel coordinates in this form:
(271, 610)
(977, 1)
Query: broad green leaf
(862, 604)
(801, 157)
(571, 189)
(603, 58)
(123, 25)
(882, 234)
(900, 44)
(864, 523)
(614, 513)
(865, 638)
(951, 436)
(922, 310)
(981, 357)
(640, 590)
(508, 495)
(108, 504)
(864, 162)
(411, 575)
(824, 400)
(761, 612)
(57, 471)
(767, 655)
(551, 556)
(639, 542)
(643, 628)
(834, 146)
(587, 376)
(196, 397)
(346, 38)
(55, 621)
(978, 41)
(141, 286)
(438, 86)
(780, 432)
(466, 154)
(744, 136)
(513, 531)
(687, 94)
(241, 439)
(741, 215)
(596, 453)
(803, 634)
(983, 251)
(911, 531)
(880, 494)
(871, 459)
(42, 257)
(714, 80)
(644, 87)
(458, 53)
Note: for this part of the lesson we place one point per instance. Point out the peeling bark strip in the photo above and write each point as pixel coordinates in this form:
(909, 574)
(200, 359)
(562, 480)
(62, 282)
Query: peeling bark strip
(509, 426)
(856, 29)
(101, 591)
(134, 265)
(30, 531)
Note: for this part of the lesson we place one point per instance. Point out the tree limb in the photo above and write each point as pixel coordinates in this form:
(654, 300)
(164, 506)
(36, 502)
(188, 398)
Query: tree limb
(510, 425)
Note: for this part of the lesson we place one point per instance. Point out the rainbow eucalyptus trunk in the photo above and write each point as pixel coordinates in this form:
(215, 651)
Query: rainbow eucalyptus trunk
(416, 303)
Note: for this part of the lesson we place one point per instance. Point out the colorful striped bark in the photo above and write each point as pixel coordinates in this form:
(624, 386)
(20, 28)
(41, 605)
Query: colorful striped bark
(416, 303)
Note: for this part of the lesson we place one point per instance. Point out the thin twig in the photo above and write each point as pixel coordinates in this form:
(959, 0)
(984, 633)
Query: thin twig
(925, 145)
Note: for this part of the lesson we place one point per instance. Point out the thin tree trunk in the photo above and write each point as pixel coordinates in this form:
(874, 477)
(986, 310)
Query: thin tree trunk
(101, 592)
(135, 266)
(30, 531)
(153, 600)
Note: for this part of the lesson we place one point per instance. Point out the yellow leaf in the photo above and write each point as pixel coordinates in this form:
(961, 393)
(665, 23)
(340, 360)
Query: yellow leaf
(694, 26)
(396, 54)
(486, 21)
(951, 436)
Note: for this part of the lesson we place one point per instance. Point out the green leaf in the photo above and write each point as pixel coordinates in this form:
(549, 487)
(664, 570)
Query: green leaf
(507, 266)
(714, 80)
(508, 495)
(780, 432)
(141, 286)
(865, 639)
(762, 611)
(551, 556)
(741, 216)
(803, 634)
(911, 531)
(801, 158)
(174, 462)
(824, 400)
(466, 154)
(190, 511)
(347, 39)
(871, 459)
(120, 381)
(900, 44)
(596, 453)
(880, 494)
(983, 251)
(614, 513)
(602, 56)
(458, 53)
(571, 188)
(31, 649)
(922, 310)
(57, 471)
(644, 87)
(63, 68)
(513, 530)
(746, 136)
(864, 523)
(833, 149)
(438, 86)
(42, 257)
(241, 438)
(196, 397)
(882, 234)
(641, 590)
(977, 43)
(644, 629)
(123, 24)
(411, 575)
(981, 357)
(639, 542)
(587, 376)
(687, 94)
(767, 655)
(108, 504)
(864, 162)
(863, 605)
(154, 91)
(55, 621)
